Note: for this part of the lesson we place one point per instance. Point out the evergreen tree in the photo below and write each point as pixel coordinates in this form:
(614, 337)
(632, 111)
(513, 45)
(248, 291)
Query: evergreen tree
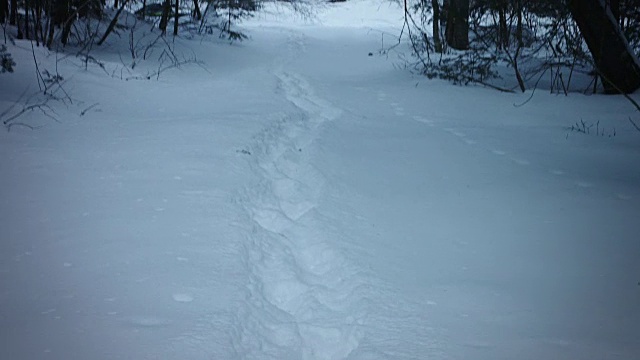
(6, 62)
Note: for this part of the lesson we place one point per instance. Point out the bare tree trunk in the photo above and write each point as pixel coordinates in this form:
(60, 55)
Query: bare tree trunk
(66, 30)
(196, 12)
(20, 34)
(113, 23)
(614, 5)
(176, 18)
(503, 27)
(519, 35)
(52, 28)
(38, 17)
(164, 19)
(59, 11)
(13, 16)
(4, 10)
(437, 43)
(64, 17)
(26, 19)
(457, 30)
(34, 19)
(613, 58)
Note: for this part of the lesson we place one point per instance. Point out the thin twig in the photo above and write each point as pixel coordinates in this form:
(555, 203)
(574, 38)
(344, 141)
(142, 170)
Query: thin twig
(634, 124)
(83, 112)
(535, 87)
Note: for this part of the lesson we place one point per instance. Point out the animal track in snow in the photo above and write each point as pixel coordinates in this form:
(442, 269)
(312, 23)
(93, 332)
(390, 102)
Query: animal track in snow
(295, 211)
(397, 109)
(423, 120)
(147, 321)
(521, 161)
(317, 258)
(329, 343)
(182, 297)
(272, 220)
(459, 134)
(557, 342)
(286, 294)
(584, 184)
(291, 190)
(454, 132)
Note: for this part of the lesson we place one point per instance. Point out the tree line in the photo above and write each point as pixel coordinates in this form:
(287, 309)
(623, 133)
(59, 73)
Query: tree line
(463, 40)
(459, 40)
(48, 22)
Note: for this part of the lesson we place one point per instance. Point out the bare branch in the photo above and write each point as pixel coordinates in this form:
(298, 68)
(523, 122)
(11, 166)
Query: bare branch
(83, 112)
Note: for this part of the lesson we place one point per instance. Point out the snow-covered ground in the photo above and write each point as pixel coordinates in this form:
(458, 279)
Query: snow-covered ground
(300, 199)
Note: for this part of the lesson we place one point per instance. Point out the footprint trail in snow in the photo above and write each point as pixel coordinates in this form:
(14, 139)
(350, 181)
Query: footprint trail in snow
(304, 295)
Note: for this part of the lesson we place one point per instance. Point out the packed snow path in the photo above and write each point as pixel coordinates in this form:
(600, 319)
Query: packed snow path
(305, 200)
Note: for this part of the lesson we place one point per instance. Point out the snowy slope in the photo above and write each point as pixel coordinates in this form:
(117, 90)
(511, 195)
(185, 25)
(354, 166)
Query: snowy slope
(304, 200)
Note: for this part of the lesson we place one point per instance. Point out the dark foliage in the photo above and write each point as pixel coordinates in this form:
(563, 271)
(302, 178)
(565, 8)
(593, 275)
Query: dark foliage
(6, 62)
(528, 36)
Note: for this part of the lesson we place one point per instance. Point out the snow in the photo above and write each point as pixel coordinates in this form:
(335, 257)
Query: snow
(300, 199)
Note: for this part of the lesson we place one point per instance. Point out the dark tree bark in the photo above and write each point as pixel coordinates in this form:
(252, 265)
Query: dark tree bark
(164, 19)
(197, 14)
(63, 17)
(66, 30)
(20, 34)
(113, 23)
(60, 12)
(13, 15)
(503, 27)
(27, 34)
(50, 33)
(86, 8)
(38, 12)
(59, 15)
(519, 32)
(36, 21)
(613, 58)
(614, 5)
(4, 10)
(437, 42)
(457, 30)
(176, 17)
